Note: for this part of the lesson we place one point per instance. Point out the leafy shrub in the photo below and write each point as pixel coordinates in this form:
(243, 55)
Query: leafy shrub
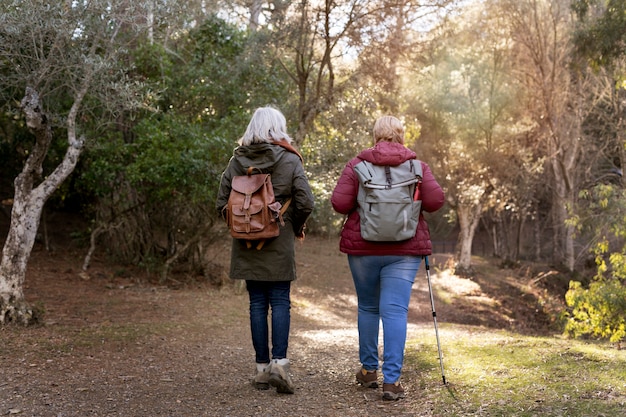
(600, 310)
(597, 311)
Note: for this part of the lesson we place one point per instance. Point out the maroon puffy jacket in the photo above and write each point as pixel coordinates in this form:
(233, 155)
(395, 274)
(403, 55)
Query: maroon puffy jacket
(344, 201)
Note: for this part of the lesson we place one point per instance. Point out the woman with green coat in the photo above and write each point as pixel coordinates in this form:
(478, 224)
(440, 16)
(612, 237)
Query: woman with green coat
(268, 271)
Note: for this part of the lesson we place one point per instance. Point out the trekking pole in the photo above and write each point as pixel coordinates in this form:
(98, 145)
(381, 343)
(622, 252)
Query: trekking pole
(432, 304)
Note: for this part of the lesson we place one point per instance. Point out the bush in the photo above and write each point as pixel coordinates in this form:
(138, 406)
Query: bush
(598, 311)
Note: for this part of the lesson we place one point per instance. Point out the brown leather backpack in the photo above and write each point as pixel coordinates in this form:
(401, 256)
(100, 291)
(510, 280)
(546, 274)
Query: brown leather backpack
(252, 213)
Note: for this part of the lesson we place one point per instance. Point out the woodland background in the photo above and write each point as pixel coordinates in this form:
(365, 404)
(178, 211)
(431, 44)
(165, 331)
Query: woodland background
(517, 105)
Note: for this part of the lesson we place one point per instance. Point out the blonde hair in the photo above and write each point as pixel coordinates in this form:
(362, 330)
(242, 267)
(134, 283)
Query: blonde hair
(388, 129)
(267, 124)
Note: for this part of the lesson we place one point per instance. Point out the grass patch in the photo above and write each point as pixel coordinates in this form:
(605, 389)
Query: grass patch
(496, 373)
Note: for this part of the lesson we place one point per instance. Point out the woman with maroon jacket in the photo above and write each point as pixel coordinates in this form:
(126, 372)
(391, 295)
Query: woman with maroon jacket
(383, 272)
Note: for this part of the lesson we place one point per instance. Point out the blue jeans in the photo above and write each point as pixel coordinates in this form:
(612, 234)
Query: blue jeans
(383, 288)
(264, 294)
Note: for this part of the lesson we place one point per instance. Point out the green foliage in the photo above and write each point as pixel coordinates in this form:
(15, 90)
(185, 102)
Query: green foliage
(157, 192)
(601, 35)
(218, 71)
(600, 309)
(597, 311)
(153, 63)
(173, 161)
(169, 161)
(205, 85)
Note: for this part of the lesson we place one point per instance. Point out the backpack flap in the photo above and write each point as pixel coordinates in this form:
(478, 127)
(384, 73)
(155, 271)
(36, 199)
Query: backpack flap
(248, 184)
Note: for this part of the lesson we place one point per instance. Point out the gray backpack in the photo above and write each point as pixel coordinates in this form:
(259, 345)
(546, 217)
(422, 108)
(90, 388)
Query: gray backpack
(388, 201)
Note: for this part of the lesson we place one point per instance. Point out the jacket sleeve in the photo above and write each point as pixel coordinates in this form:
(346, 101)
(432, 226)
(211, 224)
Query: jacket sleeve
(303, 200)
(432, 193)
(344, 195)
(223, 191)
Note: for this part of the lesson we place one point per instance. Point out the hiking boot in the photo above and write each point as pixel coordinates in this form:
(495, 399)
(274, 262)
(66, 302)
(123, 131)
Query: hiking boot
(367, 379)
(392, 392)
(262, 378)
(279, 376)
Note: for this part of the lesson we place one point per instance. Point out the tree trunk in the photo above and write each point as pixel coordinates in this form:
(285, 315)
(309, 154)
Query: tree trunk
(563, 197)
(537, 229)
(469, 216)
(255, 7)
(28, 203)
(518, 238)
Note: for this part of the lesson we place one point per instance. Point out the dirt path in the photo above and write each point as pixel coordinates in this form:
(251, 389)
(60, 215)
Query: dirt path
(114, 347)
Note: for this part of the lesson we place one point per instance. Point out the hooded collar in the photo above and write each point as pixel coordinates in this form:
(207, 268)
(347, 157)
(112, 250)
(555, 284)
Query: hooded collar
(387, 153)
(259, 155)
(263, 155)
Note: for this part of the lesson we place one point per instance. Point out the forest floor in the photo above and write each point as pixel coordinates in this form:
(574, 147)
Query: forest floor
(116, 343)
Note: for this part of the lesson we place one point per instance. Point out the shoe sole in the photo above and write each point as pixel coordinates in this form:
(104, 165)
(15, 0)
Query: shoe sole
(390, 396)
(371, 384)
(282, 386)
(262, 386)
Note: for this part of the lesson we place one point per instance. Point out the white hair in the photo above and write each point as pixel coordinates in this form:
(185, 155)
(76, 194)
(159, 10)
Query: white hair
(267, 124)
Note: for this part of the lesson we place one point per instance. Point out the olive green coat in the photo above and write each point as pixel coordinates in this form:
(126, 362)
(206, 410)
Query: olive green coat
(275, 261)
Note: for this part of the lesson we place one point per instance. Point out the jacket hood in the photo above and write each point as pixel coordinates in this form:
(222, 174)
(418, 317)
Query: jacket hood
(387, 153)
(259, 155)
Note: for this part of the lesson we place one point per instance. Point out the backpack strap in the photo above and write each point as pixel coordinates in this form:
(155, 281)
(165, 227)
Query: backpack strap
(417, 194)
(250, 171)
(388, 177)
(283, 209)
